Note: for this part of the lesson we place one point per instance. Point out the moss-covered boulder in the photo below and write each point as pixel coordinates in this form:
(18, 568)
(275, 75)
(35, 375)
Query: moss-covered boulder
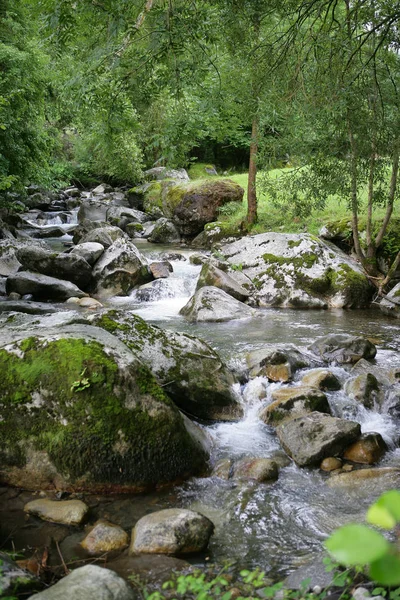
(190, 371)
(299, 271)
(79, 411)
(390, 305)
(200, 203)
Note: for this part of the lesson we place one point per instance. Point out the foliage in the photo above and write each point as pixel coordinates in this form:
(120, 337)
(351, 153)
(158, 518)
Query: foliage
(359, 545)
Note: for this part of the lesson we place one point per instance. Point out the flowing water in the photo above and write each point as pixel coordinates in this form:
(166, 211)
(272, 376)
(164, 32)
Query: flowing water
(278, 525)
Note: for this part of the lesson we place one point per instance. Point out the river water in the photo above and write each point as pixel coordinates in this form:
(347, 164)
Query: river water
(280, 525)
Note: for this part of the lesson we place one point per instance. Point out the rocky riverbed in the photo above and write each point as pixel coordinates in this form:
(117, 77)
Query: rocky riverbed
(278, 428)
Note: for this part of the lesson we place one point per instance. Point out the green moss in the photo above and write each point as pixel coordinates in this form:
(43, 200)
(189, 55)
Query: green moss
(80, 430)
(307, 260)
(293, 243)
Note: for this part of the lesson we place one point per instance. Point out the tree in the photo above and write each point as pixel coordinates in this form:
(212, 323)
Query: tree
(347, 101)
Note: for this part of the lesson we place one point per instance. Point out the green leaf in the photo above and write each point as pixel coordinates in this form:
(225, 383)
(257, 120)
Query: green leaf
(356, 545)
(385, 512)
(386, 570)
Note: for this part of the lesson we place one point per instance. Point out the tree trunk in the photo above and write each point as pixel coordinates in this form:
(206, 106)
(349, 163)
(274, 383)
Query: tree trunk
(251, 187)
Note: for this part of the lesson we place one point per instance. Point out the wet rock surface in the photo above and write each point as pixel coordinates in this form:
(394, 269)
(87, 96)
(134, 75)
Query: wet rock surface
(211, 304)
(67, 512)
(343, 348)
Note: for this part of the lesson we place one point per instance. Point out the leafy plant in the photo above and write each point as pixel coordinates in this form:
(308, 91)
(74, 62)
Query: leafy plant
(359, 545)
(81, 384)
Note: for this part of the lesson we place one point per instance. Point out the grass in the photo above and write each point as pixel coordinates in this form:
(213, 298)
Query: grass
(273, 218)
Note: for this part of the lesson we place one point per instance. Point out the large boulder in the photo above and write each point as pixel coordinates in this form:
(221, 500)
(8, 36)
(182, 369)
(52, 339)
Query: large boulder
(310, 439)
(343, 348)
(211, 304)
(90, 251)
(88, 583)
(71, 267)
(93, 210)
(98, 232)
(120, 269)
(199, 203)
(42, 287)
(80, 411)
(299, 271)
(190, 371)
(171, 531)
(390, 305)
(121, 216)
(160, 173)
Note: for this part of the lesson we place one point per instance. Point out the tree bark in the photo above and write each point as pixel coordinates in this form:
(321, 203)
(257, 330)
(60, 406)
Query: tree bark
(251, 186)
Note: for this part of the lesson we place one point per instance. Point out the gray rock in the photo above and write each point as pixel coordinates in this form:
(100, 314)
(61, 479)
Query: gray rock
(160, 173)
(315, 572)
(278, 363)
(93, 210)
(14, 580)
(299, 271)
(210, 275)
(42, 287)
(67, 512)
(70, 267)
(160, 270)
(88, 583)
(29, 308)
(343, 348)
(122, 216)
(363, 388)
(171, 531)
(103, 188)
(189, 370)
(390, 305)
(210, 304)
(256, 469)
(310, 439)
(90, 251)
(164, 232)
(48, 232)
(120, 269)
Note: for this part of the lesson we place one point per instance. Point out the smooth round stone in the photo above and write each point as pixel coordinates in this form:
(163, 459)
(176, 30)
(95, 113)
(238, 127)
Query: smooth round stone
(67, 512)
(257, 469)
(105, 537)
(90, 303)
(368, 450)
(171, 531)
(322, 379)
(330, 464)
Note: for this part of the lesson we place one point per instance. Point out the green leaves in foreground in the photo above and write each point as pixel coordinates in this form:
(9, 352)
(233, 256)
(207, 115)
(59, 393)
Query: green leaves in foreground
(358, 545)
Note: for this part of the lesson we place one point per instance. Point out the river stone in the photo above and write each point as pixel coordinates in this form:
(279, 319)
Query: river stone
(363, 388)
(164, 232)
(315, 574)
(121, 216)
(188, 369)
(88, 583)
(30, 308)
(70, 267)
(368, 450)
(105, 537)
(89, 414)
(330, 464)
(322, 379)
(310, 439)
(90, 251)
(120, 269)
(257, 469)
(223, 469)
(160, 173)
(210, 304)
(148, 568)
(102, 188)
(289, 403)
(391, 403)
(343, 348)
(67, 512)
(171, 531)
(391, 474)
(15, 580)
(199, 203)
(42, 287)
(390, 305)
(299, 271)
(385, 376)
(105, 235)
(210, 275)
(92, 210)
(276, 363)
(160, 270)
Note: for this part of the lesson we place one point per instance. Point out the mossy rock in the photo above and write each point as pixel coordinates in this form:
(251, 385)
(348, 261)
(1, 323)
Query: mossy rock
(190, 371)
(79, 411)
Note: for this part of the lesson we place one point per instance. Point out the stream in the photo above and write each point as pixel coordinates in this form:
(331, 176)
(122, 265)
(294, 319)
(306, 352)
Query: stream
(276, 526)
